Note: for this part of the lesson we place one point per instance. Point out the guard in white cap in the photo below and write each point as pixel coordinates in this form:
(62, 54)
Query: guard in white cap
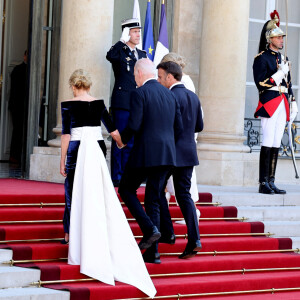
(123, 56)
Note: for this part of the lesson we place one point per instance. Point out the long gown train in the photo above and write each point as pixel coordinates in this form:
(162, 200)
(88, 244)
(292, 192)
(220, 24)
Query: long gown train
(101, 240)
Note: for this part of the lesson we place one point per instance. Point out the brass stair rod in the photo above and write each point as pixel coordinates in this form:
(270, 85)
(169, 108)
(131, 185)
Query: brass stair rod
(25, 261)
(167, 254)
(63, 204)
(31, 240)
(214, 253)
(241, 271)
(30, 222)
(129, 219)
(205, 219)
(236, 234)
(40, 283)
(185, 236)
(41, 204)
(196, 203)
(181, 296)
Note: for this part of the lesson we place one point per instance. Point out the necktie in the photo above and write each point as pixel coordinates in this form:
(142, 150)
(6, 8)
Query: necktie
(135, 54)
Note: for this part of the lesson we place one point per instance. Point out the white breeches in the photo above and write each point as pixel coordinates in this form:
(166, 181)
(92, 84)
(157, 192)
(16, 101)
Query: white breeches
(273, 128)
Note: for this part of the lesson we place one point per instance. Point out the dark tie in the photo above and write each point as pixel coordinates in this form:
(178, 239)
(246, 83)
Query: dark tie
(134, 54)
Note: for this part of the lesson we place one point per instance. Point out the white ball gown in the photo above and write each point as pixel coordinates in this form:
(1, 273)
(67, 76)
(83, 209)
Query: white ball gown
(101, 241)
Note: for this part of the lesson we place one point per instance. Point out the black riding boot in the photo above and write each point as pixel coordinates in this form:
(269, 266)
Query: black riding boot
(264, 165)
(272, 170)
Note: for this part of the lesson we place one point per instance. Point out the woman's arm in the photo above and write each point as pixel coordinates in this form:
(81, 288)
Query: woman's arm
(65, 139)
(106, 120)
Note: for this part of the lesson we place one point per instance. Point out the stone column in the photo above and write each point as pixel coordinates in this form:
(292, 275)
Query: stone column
(187, 22)
(222, 85)
(86, 36)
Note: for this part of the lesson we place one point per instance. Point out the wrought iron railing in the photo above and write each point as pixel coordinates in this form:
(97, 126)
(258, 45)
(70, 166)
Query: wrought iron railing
(252, 130)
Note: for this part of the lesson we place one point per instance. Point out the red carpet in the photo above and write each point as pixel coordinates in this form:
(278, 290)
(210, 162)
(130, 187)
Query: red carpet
(28, 192)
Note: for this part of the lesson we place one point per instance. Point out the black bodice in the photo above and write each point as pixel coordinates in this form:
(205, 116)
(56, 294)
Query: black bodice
(80, 113)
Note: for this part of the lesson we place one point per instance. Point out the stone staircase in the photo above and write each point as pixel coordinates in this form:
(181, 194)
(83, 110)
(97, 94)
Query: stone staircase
(279, 213)
(15, 282)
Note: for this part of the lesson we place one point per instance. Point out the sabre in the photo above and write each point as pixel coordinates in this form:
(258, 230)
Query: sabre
(292, 147)
(291, 121)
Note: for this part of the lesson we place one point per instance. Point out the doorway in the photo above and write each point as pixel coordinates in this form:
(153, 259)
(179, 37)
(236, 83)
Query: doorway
(32, 25)
(14, 39)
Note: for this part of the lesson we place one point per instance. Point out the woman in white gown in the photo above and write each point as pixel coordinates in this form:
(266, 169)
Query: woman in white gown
(100, 239)
(188, 83)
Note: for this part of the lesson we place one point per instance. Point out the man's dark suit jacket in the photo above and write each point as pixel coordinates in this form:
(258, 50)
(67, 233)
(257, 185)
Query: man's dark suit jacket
(123, 61)
(190, 108)
(155, 121)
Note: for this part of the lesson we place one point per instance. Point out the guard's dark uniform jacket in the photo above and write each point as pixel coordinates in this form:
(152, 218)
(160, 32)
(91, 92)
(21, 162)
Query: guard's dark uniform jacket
(264, 66)
(123, 61)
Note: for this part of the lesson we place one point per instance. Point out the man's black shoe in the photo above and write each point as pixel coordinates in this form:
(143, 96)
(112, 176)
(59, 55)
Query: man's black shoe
(197, 246)
(191, 250)
(153, 259)
(148, 240)
(187, 254)
(168, 240)
(264, 188)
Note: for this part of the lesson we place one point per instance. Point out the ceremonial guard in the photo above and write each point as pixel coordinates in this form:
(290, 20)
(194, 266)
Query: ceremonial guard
(123, 56)
(272, 77)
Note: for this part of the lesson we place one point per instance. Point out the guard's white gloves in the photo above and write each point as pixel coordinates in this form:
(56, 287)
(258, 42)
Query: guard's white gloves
(281, 73)
(285, 67)
(125, 37)
(294, 111)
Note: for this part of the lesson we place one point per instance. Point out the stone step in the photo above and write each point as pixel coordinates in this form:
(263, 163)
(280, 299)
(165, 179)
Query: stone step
(249, 196)
(33, 293)
(5, 255)
(14, 277)
(248, 199)
(283, 228)
(263, 213)
(296, 242)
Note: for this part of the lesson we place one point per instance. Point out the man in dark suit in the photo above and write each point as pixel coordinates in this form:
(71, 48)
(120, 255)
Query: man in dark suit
(154, 121)
(123, 56)
(169, 75)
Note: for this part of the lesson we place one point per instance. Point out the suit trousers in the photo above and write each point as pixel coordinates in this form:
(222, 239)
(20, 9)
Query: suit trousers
(119, 157)
(155, 179)
(182, 183)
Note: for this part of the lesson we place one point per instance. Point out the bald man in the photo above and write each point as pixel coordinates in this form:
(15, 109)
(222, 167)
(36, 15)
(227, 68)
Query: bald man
(155, 121)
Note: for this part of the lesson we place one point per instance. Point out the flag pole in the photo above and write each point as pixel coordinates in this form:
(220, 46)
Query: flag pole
(286, 29)
(291, 121)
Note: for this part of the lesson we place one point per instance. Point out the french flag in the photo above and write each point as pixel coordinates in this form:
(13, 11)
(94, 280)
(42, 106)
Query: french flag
(162, 47)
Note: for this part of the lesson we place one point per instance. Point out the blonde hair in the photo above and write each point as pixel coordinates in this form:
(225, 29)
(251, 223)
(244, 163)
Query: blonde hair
(178, 59)
(80, 79)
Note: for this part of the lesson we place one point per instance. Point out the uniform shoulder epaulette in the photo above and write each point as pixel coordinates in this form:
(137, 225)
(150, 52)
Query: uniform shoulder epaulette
(259, 54)
(143, 50)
